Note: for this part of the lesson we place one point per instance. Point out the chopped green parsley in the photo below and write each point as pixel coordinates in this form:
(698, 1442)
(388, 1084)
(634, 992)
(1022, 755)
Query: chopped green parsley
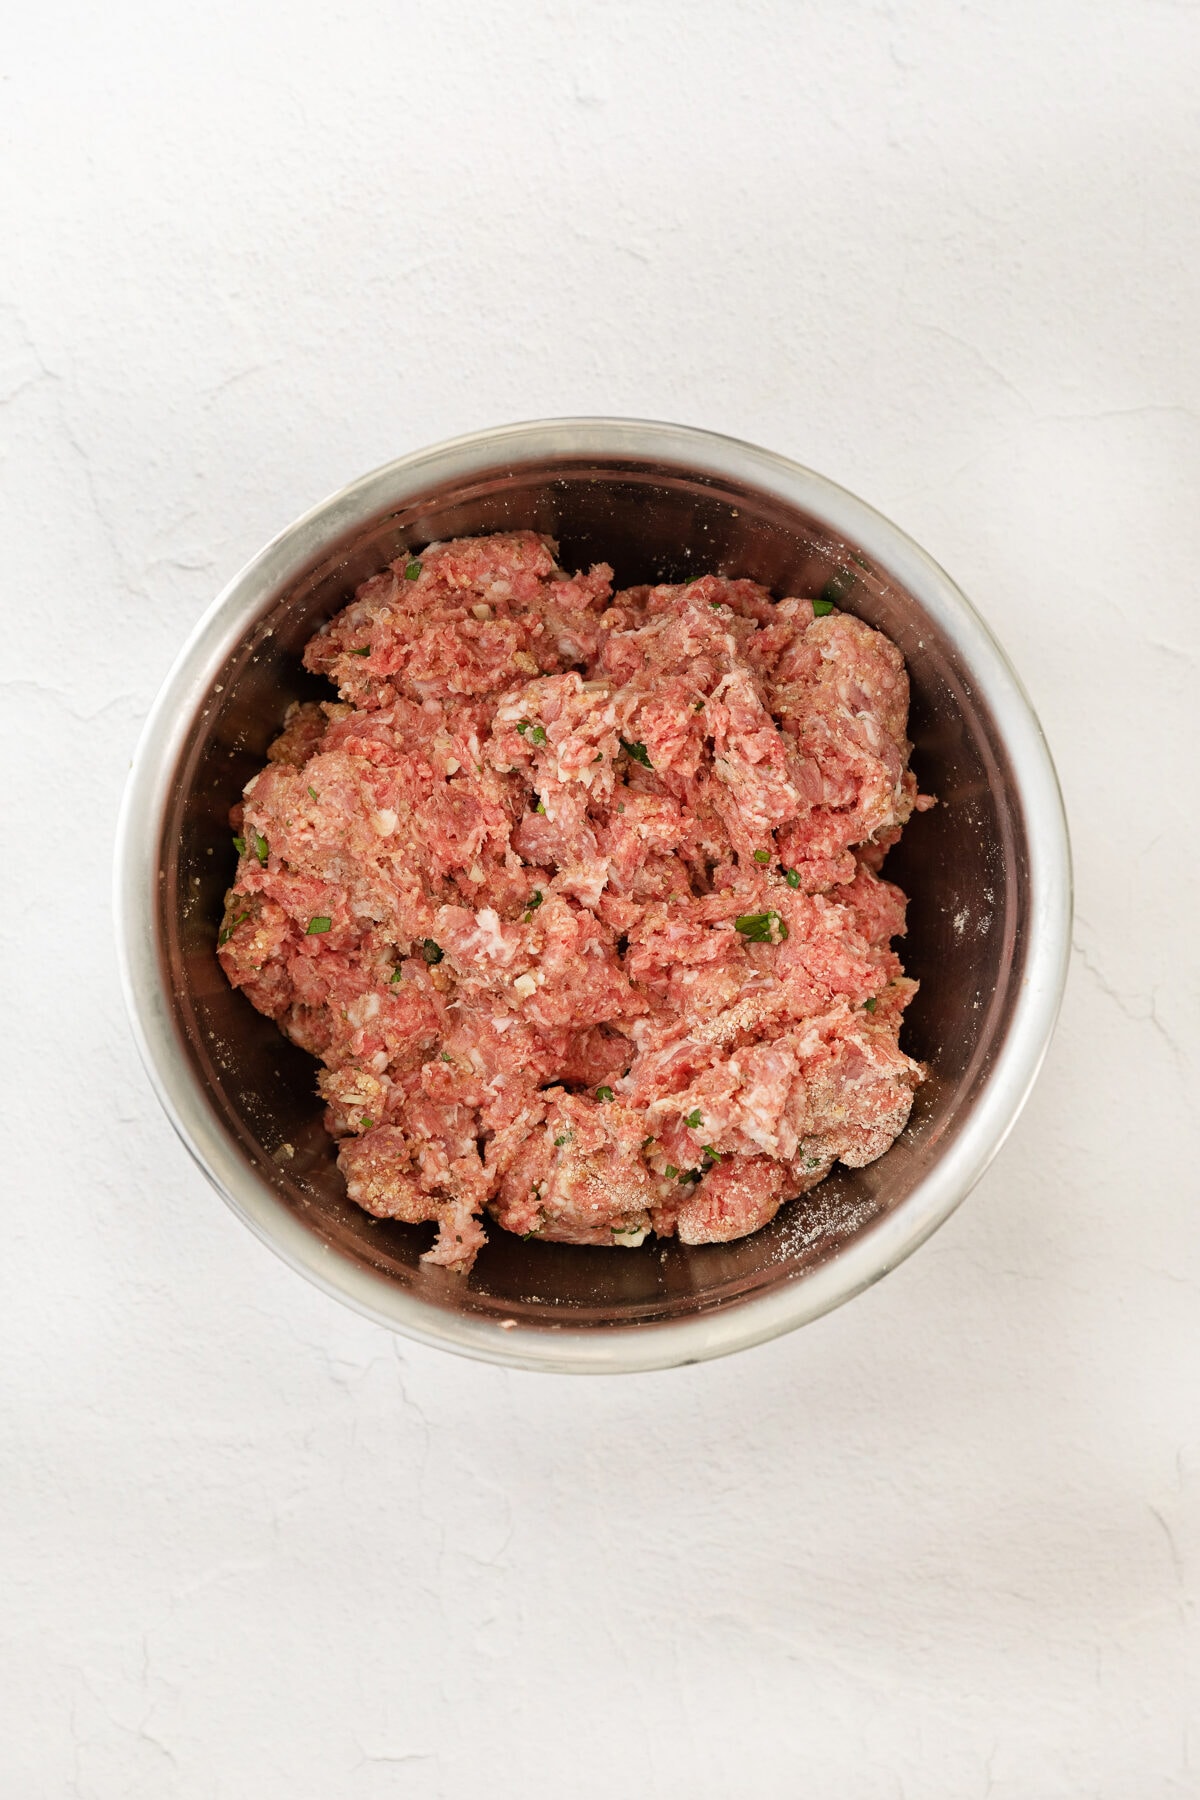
(694, 1120)
(638, 752)
(316, 926)
(762, 856)
(834, 592)
(412, 570)
(433, 953)
(604, 1093)
(762, 928)
(232, 926)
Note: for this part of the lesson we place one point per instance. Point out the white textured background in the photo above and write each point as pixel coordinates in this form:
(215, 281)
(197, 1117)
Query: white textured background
(946, 1542)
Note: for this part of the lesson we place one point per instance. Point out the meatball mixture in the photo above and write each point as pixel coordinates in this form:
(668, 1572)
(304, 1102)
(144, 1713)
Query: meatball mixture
(575, 896)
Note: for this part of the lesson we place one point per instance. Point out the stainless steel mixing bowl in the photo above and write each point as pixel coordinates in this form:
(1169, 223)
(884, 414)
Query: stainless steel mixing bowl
(987, 872)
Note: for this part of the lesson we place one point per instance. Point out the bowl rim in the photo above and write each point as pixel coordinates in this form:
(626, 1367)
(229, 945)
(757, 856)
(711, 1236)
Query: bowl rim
(617, 1348)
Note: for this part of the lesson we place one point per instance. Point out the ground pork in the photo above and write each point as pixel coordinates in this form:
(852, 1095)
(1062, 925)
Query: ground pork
(576, 897)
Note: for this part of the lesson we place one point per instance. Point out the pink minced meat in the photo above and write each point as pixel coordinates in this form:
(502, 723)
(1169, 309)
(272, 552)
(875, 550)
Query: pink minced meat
(576, 897)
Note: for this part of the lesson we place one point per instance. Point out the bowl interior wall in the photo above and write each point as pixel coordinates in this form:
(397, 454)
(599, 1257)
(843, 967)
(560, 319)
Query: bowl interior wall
(962, 865)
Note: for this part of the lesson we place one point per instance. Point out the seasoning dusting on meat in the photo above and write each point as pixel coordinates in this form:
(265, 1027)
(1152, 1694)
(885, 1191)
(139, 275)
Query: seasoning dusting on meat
(576, 897)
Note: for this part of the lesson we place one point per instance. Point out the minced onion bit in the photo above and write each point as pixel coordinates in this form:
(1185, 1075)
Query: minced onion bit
(316, 926)
(762, 928)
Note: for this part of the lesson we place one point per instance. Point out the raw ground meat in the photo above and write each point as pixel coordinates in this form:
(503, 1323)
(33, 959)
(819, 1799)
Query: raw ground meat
(576, 897)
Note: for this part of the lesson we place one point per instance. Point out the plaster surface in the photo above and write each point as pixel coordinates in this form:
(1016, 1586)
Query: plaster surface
(945, 1543)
